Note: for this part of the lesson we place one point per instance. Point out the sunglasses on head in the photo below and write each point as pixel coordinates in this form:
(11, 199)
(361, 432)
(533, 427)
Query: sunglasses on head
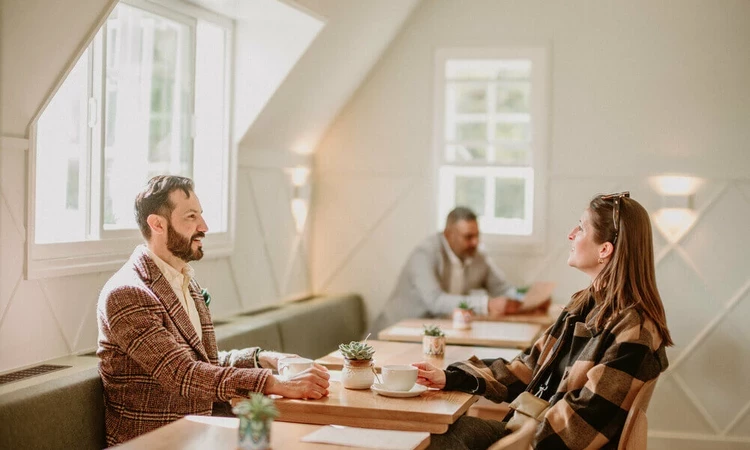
(616, 197)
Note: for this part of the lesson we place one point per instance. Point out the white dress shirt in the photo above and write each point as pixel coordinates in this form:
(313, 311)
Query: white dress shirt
(179, 283)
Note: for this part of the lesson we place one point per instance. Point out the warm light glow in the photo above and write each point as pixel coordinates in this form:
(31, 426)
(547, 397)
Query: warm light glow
(303, 148)
(674, 222)
(299, 176)
(299, 212)
(675, 184)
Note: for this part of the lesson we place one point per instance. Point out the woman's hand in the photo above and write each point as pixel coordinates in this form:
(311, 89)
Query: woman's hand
(311, 383)
(429, 375)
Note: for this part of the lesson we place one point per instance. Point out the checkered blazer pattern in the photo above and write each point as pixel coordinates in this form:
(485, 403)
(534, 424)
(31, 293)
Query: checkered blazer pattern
(604, 371)
(154, 367)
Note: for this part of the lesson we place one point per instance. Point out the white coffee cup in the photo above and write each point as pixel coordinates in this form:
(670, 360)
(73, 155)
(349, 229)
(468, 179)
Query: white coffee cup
(399, 377)
(291, 366)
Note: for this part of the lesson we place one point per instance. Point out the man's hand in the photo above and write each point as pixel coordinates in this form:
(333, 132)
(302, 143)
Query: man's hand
(270, 360)
(429, 375)
(311, 383)
(502, 306)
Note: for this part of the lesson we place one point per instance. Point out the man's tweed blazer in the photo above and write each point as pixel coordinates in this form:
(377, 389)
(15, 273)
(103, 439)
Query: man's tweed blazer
(600, 371)
(154, 367)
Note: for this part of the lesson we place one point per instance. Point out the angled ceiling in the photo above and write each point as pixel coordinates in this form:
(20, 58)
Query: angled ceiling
(328, 73)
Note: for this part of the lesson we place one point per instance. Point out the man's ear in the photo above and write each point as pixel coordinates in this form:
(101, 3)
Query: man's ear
(606, 250)
(157, 223)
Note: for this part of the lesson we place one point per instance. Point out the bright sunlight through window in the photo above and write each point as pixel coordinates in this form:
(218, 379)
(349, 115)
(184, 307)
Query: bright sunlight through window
(491, 138)
(150, 95)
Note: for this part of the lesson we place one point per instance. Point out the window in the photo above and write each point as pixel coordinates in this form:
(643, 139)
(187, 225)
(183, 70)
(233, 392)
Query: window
(148, 96)
(491, 138)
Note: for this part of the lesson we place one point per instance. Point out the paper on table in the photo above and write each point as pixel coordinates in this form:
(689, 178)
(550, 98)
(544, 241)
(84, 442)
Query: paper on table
(539, 292)
(367, 438)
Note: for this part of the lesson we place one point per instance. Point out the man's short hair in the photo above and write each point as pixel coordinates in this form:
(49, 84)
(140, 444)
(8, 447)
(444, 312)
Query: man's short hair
(154, 199)
(460, 213)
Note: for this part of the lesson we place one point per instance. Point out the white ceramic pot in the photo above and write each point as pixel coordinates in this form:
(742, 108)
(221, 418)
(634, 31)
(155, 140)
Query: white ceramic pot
(462, 319)
(357, 374)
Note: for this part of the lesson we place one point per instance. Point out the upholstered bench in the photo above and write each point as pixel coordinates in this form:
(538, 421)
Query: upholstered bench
(64, 409)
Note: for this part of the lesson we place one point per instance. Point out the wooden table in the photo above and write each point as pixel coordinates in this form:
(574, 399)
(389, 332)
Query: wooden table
(493, 334)
(391, 352)
(432, 411)
(220, 433)
(543, 319)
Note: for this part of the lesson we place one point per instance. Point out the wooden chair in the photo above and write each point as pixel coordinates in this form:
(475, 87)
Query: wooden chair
(518, 440)
(635, 432)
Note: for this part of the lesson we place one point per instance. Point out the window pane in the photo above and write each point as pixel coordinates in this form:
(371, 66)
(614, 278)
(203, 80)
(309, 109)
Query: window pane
(488, 69)
(466, 153)
(470, 193)
(512, 97)
(61, 143)
(471, 131)
(512, 155)
(212, 130)
(513, 132)
(148, 113)
(468, 98)
(510, 197)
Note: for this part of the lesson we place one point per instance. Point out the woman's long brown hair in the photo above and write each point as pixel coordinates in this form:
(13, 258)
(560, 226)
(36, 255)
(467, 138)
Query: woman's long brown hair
(629, 278)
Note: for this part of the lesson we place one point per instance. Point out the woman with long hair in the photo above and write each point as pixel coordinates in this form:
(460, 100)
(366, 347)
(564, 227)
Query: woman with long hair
(592, 362)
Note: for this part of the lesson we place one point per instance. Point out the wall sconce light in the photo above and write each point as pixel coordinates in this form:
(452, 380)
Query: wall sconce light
(300, 196)
(676, 214)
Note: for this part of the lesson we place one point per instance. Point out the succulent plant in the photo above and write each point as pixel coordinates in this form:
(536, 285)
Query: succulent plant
(258, 407)
(463, 304)
(356, 350)
(433, 330)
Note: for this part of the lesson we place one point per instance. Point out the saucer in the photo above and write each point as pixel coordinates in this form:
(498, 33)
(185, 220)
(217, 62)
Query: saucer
(413, 392)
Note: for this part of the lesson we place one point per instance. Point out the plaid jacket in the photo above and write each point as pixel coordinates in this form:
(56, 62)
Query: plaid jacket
(154, 368)
(604, 371)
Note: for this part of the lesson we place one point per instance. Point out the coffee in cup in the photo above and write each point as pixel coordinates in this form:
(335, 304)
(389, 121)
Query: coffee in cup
(291, 366)
(399, 377)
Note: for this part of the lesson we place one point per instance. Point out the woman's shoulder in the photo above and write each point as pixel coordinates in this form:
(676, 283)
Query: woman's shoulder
(632, 324)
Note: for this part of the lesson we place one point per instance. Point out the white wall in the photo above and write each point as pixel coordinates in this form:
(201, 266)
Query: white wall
(639, 88)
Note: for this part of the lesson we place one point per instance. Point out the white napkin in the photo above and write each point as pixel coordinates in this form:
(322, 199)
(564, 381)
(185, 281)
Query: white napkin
(367, 438)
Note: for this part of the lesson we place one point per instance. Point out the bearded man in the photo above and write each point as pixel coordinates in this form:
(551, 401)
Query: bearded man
(157, 349)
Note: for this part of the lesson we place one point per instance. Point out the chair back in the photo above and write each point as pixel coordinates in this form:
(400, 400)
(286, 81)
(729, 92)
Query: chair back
(635, 432)
(519, 439)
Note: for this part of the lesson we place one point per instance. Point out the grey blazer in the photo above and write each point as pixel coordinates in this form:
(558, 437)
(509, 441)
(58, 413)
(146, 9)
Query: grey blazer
(421, 289)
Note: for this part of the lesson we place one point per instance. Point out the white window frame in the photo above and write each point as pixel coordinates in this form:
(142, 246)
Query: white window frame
(527, 241)
(113, 247)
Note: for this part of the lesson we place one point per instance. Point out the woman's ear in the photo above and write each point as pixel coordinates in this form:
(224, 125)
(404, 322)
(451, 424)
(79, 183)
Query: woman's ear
(606, 250)
(157, 223)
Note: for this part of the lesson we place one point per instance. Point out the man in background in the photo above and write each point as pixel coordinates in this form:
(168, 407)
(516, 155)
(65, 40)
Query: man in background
(157, 349)
(444, 270)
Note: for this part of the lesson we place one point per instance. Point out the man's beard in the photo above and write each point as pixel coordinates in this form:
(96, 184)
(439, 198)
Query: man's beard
(182, 247)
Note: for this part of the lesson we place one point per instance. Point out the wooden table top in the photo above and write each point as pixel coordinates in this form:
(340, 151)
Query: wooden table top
(482, 333)
(432, 411)
(543, 319)
(220, 433)
(392, 352)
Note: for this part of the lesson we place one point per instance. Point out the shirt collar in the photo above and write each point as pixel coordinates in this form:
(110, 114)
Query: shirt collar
(455, 260)
(172, 275)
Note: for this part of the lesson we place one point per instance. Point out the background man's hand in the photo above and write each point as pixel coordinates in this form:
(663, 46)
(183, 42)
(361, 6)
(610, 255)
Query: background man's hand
(311, 383)
(429, 375)
(502, 306)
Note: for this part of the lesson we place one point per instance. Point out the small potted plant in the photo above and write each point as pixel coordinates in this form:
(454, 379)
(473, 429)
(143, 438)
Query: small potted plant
(433, 341)
(462, 316)
(358, 371)
(256, 415)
